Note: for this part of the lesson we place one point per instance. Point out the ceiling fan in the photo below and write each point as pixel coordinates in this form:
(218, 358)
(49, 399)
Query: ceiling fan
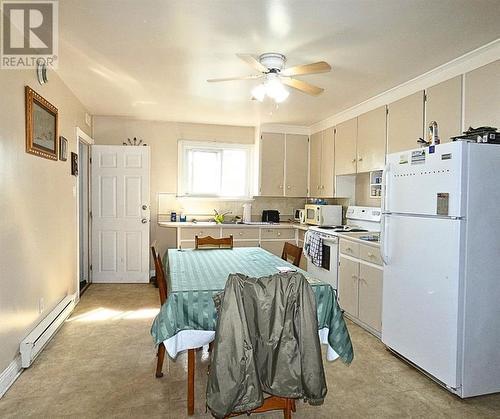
(271, 67)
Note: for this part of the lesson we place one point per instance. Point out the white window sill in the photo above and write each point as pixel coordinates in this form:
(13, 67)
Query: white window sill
(215, 198)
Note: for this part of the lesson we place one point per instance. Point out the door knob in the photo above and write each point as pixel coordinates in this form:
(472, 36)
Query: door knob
(144, 207)
(144, 221)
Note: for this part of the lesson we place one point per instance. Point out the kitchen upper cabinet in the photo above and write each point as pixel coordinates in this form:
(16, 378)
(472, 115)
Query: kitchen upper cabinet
(322, 164)
(327, 164)
(371, 140)
(444, 105)
(283, 165)
(345, 147)
(296, 165)
(482, 93)
(405, 123)
(272, 164)
(315, 163)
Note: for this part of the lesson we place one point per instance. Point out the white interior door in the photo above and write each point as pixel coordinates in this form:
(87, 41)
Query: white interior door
(120, 213)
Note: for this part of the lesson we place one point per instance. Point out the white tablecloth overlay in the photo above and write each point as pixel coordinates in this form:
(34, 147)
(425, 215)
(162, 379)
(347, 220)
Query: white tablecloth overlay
(192, 339)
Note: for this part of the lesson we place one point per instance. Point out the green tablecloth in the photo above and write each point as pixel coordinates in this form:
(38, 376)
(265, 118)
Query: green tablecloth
(194, 276)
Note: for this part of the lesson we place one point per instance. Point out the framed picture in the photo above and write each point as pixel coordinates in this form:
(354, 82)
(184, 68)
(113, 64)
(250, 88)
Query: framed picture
(41, 126)
(63, 148)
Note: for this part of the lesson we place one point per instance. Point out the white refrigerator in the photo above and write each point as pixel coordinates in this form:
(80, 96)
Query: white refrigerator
(440, 242)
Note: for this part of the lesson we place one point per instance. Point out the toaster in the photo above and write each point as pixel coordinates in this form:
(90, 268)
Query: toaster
(270, 216)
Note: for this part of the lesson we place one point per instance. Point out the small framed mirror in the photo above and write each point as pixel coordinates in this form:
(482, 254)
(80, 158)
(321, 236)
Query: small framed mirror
(41, 126)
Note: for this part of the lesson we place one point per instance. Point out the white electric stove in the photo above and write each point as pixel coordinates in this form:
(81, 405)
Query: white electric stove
(359, 219)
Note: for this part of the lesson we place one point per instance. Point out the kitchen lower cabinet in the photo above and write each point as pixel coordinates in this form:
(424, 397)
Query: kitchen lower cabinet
(274, 246)
(245, 243)
(370, 296)
(348, 285)
(360, 284)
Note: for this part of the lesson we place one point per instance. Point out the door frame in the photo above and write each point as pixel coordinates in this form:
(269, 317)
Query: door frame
(81, 136)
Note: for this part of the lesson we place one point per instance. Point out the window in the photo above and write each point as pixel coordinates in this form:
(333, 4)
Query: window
(214, 170)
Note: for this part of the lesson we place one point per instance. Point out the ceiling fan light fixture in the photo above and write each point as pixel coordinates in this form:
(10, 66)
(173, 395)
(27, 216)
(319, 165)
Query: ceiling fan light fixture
(259, 92)
(282, 96)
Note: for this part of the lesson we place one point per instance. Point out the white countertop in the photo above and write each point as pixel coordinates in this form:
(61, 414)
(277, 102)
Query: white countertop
(355, 237)
(211, 224)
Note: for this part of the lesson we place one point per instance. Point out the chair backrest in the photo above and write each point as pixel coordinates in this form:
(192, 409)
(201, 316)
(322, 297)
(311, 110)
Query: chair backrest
(160, 276)
(290, 251)
(210, 242)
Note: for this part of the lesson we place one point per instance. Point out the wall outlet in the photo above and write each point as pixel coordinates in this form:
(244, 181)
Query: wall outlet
(41, 305)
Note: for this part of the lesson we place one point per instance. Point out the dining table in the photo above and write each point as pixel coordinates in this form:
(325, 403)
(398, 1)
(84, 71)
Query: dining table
(187, 320)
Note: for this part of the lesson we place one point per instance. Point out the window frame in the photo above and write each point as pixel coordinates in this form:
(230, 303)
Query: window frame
(183, 175)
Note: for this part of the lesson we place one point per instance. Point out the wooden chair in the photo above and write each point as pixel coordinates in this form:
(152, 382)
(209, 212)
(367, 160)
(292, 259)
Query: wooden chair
(210, 242)
(273, 403)
(290, 251)
(163, 289)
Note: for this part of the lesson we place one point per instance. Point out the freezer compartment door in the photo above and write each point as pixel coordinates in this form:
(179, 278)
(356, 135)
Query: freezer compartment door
(426, 181)
(421, 292)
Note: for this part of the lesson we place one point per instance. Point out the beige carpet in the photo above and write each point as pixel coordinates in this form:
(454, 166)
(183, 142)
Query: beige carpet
(101, 364)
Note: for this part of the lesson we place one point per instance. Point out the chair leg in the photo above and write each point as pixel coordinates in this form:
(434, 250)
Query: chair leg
(287, 413)
(190, 384)
(159, 361)
(211, 346)
(294, 408)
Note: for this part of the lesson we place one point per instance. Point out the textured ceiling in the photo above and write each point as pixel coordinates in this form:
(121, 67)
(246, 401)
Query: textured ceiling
(151, 58)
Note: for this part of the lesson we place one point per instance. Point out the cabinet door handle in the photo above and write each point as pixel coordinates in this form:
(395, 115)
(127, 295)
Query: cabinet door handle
(360, 159)
(354, 276)
(279, 233)
(240, 233)
(371, 255)
(354, 160)
(348, 249)
(288, 187)
(281, 186)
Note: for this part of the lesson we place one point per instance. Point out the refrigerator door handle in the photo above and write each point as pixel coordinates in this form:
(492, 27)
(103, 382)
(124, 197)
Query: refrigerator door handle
(383, 254)
(383, 207)
(384, 188)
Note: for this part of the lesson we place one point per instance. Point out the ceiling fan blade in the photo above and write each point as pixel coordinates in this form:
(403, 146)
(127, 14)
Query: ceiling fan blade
(308, 88)
(314, 68)
(253, 62)
(253, 76)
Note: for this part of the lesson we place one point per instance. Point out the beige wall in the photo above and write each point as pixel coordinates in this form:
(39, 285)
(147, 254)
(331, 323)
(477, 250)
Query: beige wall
(162, 137)
(38, 223)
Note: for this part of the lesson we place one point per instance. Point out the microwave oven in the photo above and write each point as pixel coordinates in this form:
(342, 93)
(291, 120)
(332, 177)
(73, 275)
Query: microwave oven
(323, 215)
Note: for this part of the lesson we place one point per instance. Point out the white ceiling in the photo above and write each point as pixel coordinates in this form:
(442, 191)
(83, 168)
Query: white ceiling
(151, 58)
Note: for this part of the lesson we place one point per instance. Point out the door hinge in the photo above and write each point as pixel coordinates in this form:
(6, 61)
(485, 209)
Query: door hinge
(425, 97)
(90, 160)
(90, 214)
(387, 110)
(90, 267)
(335, 130)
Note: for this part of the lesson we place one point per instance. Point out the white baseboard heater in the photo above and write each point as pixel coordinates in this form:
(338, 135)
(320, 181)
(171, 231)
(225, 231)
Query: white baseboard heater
(34, 343)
